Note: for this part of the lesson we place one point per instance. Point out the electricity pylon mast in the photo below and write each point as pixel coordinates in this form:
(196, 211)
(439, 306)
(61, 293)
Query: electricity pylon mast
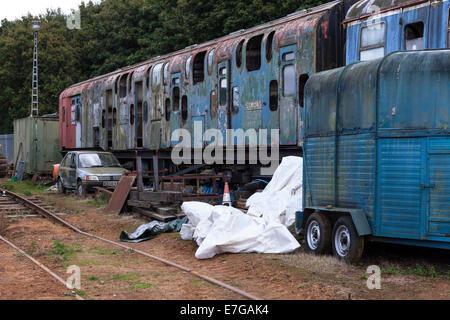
(35, 26)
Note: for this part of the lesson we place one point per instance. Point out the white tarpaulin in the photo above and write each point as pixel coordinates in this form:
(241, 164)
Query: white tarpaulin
(219, 229)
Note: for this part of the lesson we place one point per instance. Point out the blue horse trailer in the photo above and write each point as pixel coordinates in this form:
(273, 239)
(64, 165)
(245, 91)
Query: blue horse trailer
(377, 154)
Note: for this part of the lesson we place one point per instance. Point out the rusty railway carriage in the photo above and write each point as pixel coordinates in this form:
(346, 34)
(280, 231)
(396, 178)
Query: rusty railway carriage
(250, 79)
(375, 28)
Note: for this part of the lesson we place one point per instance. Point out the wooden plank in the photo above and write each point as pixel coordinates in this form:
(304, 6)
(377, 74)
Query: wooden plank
(162, 196)
(120, 194)
(153, 215)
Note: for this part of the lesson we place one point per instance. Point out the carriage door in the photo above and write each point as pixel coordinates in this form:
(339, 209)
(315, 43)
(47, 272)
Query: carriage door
(76, 119)
(223, 111)
(414, 29)
(175, 121)
(288, 94)
(138, 104)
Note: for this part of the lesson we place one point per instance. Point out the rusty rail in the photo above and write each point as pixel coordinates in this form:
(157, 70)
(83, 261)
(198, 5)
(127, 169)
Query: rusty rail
(44, 212)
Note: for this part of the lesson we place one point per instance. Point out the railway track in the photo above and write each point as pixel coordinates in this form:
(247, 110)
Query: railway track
(33, 206)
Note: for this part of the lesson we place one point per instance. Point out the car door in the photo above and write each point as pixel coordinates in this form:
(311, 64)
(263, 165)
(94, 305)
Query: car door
(72, 171)
(63, 169)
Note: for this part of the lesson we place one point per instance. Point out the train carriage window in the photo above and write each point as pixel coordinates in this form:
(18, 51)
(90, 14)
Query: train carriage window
(132, 114)
(213, 103)
(176, 99)
(123, 87)
(288, 56)
(239, 50)
(236, 99)
(103, 118)
(372, 41)
(269, 46)
(223, 91)
(198, 73)
(301, 88)
(184, 108)
(188, 69)
(253, 53)
(156, 75)
(414, 36)
(289, 80)
(448, 29)
(63, 114)
(114, 116)
(167, 109)
(273, 95)
(210, 61)
(166, 73)
(145, 111)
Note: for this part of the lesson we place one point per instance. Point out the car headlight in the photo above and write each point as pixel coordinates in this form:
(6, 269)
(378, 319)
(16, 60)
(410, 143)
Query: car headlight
(91, 178)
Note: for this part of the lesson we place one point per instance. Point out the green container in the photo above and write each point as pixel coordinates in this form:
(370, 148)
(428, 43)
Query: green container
(40, 143)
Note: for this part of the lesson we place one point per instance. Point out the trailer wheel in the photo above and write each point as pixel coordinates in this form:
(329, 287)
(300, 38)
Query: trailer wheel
(347, 245)
(318, 234)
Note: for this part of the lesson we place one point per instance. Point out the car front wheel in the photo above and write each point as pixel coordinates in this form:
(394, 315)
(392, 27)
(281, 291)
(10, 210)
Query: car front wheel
(81, 189)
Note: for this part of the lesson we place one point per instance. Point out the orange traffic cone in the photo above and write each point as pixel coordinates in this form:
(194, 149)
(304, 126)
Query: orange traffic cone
(226, 196)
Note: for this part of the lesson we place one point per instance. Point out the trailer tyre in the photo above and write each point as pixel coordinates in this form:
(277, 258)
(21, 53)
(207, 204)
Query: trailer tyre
(318, 234)
(347, 244)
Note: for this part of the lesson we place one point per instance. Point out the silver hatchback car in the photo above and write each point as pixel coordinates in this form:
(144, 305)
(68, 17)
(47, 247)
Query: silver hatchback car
(83, 170)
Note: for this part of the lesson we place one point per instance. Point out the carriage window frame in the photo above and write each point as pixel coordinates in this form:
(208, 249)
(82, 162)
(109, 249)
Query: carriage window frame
(188, 69)
(253, 53)
(290, 93)
(166, 73)
(448, 28)
(239, 54)
(156, 75)
(210, 60)
(269, 46)
(381, 44)
(421, 38)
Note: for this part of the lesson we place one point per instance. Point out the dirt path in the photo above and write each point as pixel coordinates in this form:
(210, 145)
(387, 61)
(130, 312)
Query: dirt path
(111, 273)
(20, 279)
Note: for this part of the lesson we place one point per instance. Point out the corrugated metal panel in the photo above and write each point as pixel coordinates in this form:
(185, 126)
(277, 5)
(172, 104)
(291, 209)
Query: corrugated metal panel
(319, 168)
(7, 142)
(356, 173)
(400, 174)
(439, 165)
(40, 143)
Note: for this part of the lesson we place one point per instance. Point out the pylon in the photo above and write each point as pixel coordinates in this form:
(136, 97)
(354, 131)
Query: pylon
(226, 196)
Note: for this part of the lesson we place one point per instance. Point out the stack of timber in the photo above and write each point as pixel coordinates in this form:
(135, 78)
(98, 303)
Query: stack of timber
(156, 205)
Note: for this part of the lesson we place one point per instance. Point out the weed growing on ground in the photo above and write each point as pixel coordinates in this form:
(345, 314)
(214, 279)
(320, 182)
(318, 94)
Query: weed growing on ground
(93, 278)
(32, 249)
(81, 293)
(419, 269)
(61, 251)
(200, 283)
(141, 285)
(125, 277)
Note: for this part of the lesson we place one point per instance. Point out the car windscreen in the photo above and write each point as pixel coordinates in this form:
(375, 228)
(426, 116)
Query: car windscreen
(90, 160)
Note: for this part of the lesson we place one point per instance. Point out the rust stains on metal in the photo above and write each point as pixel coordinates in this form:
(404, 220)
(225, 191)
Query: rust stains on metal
(120, 194)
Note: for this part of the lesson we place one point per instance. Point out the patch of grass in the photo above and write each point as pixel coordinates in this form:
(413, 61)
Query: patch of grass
(197, 283)
(141, 285)
(81, 293)
(102, 251)
(32, 249)
(64, 252)
(25, 187)
(93, 278)
(235, 284)
(98, 202)
(125, 277)
(419, 270)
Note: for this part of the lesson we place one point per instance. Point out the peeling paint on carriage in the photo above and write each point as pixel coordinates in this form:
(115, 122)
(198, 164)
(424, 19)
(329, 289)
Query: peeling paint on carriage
(134, 107)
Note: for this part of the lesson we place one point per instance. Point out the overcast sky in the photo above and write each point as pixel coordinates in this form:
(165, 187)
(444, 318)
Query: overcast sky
(15, 9)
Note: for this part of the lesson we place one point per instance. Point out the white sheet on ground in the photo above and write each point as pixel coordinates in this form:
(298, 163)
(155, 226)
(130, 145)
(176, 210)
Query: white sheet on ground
(219, 229)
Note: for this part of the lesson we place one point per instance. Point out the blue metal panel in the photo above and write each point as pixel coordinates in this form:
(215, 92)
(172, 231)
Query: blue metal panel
(7, 142)
(356, 173)
(434, 17)
(400, 200)
(439, 186)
